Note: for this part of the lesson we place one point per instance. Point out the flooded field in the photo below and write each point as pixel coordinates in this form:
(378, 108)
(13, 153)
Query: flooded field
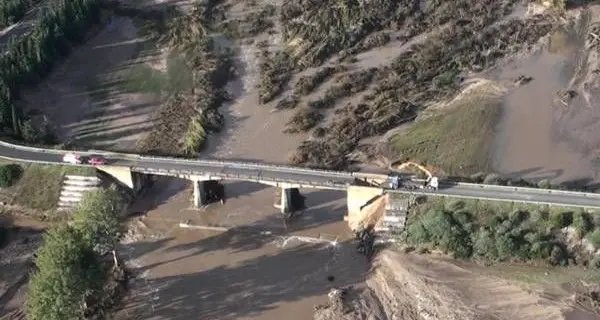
(549, 126)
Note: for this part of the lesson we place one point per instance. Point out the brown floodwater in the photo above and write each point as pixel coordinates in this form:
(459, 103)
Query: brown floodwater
(263, 268)
(537, 136)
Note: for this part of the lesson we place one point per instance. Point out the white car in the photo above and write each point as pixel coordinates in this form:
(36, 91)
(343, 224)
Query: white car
(72, 158)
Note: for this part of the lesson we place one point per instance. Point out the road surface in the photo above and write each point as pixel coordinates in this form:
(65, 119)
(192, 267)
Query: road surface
(316, 178)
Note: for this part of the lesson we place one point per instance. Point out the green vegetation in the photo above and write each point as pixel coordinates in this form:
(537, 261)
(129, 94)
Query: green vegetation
(455, 139)
(483, 230)
(11, 11)
(31, 57)
(40, 185)
(70, 280)
(9, 173)
(142, 78)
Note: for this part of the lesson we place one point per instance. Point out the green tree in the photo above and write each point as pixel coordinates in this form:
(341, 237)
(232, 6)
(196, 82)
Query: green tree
(97, 218)
(68, 271)
(9, 173)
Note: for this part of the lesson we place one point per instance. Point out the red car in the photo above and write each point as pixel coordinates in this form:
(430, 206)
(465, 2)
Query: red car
(96, 161)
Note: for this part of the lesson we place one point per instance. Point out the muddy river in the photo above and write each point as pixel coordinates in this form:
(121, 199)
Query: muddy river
(541, 134)
(266, 269)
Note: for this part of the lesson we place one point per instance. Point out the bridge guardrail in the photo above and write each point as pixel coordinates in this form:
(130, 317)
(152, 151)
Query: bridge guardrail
(526, 189)
(274, 167)
(497, 198)
(243, 177)
(264, 166)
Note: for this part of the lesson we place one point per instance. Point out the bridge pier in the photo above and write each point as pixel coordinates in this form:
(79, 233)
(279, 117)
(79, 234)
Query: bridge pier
(207, 191)
(290, 200)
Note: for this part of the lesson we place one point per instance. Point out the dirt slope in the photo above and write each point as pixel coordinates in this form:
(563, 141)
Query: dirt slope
(410, 286)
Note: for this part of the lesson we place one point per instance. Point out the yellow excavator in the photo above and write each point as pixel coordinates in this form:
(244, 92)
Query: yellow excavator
(431, 182)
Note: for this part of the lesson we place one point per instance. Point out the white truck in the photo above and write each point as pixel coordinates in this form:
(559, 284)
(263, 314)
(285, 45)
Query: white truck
(395, 182)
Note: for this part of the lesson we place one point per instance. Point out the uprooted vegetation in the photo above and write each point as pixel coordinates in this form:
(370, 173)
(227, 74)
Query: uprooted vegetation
(257, 21)
(184, 121)
(483, 230)
(316, 30)
(427, 72)
(307, 84)
(275, 72)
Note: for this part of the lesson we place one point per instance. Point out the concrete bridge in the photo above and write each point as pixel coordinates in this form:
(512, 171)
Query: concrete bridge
(361, 187)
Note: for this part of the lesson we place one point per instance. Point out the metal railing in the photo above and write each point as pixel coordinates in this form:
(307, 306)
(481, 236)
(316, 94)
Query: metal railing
(236, 176)
(224, 164)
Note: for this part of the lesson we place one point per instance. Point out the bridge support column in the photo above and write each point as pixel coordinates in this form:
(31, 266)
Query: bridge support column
(290, 200)
(207, 191)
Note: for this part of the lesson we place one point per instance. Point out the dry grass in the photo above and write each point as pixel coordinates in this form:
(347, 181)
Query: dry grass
(40, 185)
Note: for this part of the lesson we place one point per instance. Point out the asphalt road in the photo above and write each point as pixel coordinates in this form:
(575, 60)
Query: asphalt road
(318, 178)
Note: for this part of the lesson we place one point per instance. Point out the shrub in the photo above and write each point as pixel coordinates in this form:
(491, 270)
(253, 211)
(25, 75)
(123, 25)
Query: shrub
(9, 173)
(518, 216)
(558, 256)
(506, 246)
(561, 220)
(491, 178)
(544, 184)
(457, 241)
(540, 250)
(484, 244)
(417, 234)
(582, 222)
(594, 238)
(195, 137)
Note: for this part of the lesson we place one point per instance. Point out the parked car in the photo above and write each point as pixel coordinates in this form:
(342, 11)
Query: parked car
(72, 158)
(96, 160)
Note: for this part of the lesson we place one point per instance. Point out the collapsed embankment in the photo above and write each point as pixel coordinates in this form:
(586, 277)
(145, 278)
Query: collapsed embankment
(411, 286)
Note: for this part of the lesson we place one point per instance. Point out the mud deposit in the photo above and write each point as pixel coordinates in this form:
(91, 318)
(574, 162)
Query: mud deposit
(543, 134)
(260, 269)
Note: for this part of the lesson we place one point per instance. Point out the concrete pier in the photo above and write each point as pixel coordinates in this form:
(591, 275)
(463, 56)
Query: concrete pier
(290, 200)
(207, 191)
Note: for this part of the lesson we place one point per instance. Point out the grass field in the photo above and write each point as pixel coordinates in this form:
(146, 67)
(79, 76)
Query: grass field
(455, 137)
(39, 186)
